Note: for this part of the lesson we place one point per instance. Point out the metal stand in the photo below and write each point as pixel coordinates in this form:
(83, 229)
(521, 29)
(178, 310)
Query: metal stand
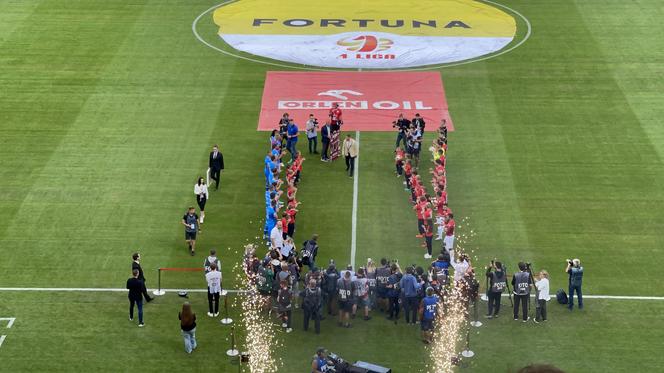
(226, 320)
(467, 352)
(233, 350)
(476, 323)
(159, 291)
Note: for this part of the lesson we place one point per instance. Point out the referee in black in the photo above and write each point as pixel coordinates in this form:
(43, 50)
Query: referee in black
(136, 265)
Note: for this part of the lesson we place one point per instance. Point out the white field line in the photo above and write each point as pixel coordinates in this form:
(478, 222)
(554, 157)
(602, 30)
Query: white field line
(119, 290)
(10, 321)
(2, 339)
(356, 176)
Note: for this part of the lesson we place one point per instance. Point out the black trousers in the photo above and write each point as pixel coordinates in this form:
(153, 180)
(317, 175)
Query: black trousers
(313, 314)
(287, 314)
(330, 300)
(394, 307)
(494, 303)
(213, 298)
(541, 310)
(215, 175)
(429, 241)
(326, 146)
(350, 165)
(410, 308)
(147, 296)
(523, 299)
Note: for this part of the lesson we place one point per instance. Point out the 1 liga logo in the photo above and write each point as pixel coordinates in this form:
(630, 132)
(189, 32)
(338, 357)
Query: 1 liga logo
(352, 34)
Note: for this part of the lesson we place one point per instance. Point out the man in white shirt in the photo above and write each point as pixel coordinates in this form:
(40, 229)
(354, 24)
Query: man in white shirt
(460, 267)
(214, 289)
(543, 296)
(350, 150)
(277, 236)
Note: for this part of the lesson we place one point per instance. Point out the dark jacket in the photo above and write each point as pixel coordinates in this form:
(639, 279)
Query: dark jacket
(216, 163)
(134, 266)
(135, 287)
(325, 133)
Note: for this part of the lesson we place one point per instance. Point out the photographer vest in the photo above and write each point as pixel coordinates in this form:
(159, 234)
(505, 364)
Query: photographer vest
(382, 274)
(498, 282)
(521, 282)
(312, 298)
(576, 276)
(208, 261)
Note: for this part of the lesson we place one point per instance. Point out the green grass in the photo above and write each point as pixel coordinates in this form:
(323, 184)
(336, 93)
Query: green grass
(108, 112)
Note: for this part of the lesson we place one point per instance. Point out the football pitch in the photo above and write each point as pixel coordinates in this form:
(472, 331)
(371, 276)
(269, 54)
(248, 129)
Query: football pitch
(108, 111)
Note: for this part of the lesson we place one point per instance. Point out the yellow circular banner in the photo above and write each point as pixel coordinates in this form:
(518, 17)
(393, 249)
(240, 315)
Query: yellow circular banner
(365, 34)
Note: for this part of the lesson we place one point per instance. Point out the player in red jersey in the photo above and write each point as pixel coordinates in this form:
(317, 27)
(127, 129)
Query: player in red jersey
(336, 121)
(419, 210)
(408, 173)
(399, 161)
(449, 234)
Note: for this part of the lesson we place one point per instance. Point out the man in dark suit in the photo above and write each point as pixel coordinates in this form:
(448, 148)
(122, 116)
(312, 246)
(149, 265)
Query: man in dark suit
(136, 287)
(136, 265)
(326, 134)
(216, 164)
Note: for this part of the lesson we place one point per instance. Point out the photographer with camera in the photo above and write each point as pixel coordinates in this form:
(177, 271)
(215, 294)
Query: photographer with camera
(497, 284)
(319, 363)
(382, 275)
(575, 271)
(311, 305)
(312, 125)
(521, 285)
(402, 125)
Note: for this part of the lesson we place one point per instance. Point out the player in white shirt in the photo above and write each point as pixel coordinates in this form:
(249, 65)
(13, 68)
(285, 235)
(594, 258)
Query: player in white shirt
(214, 289)
(543, 296)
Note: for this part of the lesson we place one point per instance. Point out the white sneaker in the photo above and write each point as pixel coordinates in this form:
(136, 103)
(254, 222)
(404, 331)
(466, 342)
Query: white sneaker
(216, 314)
(284, 325)
(141, 325)
(288, 330)
(427, 256)
(439, 238)
(210, 314)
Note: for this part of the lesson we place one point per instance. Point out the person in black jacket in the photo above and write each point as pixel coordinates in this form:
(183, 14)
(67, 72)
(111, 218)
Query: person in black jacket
(326, 135)
(216, 165)
(136, 288)
(136, 264)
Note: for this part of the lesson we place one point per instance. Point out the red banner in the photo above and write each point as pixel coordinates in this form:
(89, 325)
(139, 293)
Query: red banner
(370, 101)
